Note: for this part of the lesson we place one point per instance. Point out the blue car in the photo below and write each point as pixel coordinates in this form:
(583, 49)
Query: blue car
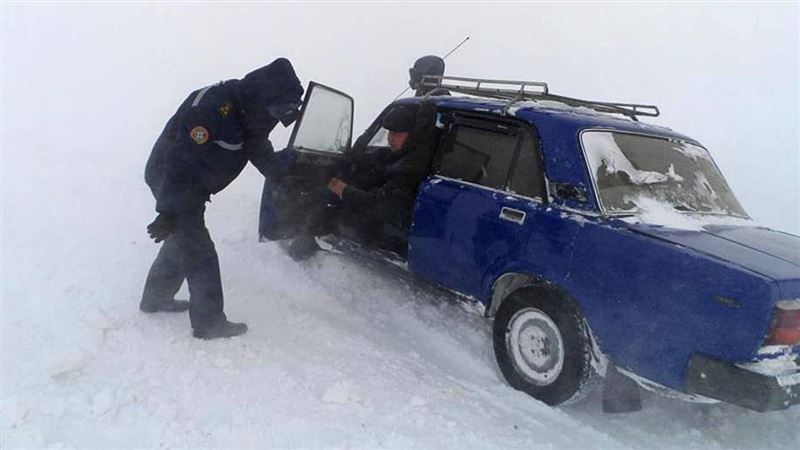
(591, 239)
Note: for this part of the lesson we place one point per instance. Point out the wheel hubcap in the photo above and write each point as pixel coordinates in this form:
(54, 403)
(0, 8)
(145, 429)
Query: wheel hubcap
(535, 345)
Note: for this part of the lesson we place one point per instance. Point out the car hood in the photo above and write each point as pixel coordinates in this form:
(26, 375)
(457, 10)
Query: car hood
(771, 253)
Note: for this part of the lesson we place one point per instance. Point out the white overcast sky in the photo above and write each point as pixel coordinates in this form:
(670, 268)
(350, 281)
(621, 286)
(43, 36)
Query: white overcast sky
(111, 74)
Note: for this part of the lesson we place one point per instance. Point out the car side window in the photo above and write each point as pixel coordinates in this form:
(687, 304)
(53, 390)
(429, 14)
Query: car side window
(478, 155)
(380, 139)
(527, 178)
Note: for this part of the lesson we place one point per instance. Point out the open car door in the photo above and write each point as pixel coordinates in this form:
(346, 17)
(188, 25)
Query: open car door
(294, 205)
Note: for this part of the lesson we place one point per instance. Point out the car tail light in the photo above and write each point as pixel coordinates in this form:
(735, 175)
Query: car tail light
(785, 324)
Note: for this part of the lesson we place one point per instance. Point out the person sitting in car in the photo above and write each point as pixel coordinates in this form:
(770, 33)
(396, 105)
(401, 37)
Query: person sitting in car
(388, 198)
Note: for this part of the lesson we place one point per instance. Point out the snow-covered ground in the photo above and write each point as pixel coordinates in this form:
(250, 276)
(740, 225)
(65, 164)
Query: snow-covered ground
(338, 355)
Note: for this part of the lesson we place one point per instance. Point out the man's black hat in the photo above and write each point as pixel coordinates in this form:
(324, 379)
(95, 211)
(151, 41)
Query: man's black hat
(401, 118)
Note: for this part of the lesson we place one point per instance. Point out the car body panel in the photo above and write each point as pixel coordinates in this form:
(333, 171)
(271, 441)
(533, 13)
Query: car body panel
(459, 240)
(770, 253)
(653, 303)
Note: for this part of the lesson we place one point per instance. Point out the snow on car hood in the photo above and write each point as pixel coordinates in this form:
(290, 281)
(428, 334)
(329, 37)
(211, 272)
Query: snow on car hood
(771, 253)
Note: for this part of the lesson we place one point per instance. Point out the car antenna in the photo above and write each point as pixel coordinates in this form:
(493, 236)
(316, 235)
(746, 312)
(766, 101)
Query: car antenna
(443, 58)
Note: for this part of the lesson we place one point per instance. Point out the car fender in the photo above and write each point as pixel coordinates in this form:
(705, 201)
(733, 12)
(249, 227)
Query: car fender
(509, 282)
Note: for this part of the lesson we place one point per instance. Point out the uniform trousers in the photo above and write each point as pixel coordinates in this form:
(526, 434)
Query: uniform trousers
(188, 253)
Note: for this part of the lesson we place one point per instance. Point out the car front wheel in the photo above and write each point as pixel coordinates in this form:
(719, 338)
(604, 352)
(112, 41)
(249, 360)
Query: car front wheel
(542, 345)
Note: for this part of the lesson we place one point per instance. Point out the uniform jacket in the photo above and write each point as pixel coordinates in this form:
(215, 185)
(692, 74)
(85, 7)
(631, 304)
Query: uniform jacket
(216, 130)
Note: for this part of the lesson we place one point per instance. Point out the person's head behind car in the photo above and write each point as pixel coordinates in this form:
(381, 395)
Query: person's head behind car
(430, 65)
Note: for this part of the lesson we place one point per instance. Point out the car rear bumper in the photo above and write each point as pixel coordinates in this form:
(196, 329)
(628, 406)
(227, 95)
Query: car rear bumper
(767, 384)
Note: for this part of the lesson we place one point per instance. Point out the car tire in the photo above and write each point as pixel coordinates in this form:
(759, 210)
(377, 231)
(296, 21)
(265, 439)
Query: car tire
(543, 346)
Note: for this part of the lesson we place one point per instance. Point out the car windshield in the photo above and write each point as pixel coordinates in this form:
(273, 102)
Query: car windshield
(631, 171)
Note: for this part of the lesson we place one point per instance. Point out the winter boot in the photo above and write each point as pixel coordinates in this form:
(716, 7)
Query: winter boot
(167, 306)
(223, 329)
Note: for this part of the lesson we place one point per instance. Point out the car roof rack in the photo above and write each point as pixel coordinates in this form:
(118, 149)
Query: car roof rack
(515, 91)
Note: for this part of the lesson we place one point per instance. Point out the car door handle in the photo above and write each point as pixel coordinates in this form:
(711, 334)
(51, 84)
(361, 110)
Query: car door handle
(512, 215)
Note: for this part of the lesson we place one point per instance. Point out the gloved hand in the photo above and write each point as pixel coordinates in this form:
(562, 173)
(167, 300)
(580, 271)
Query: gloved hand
(162, 227)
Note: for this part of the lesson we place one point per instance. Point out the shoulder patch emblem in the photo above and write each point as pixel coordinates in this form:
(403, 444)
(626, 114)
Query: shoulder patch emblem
(199, 135)
(225, 109)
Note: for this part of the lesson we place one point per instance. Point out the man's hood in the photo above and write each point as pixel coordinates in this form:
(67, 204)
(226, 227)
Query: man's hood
(275, 83)
(771, 253)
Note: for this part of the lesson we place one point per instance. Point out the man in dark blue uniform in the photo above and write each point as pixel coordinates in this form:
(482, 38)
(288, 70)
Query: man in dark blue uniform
(203, 147)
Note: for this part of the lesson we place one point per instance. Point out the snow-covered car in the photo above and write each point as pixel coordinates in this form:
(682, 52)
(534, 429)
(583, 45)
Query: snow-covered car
(587, 235)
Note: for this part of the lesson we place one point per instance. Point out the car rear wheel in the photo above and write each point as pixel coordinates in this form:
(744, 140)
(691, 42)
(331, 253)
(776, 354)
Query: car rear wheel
(543, 348)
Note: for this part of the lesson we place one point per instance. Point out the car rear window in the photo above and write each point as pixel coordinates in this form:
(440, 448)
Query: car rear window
(478, 156)
(632, 171)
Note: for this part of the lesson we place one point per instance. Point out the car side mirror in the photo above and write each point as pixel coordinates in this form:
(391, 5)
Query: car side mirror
(568, 191)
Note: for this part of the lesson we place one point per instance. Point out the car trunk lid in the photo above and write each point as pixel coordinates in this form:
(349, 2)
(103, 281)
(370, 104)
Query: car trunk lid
(770, 253)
